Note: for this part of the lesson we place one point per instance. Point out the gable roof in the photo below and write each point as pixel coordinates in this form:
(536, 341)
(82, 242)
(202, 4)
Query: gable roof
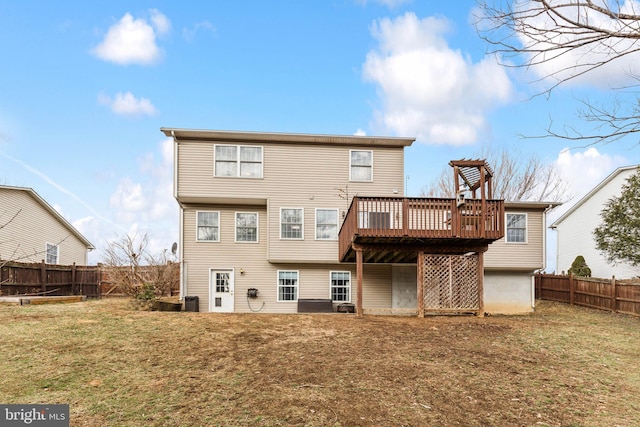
(590, 194)
(275, 137)
(31, 192)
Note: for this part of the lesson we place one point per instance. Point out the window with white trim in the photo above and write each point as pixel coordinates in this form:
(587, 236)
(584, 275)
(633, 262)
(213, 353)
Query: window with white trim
(292, 223)
(52, 254)
(208, 226)
(238, 161)
(287, 285)
(327, 224)
(246, 226)
(340, 286)
(516, 228)
(361, 165)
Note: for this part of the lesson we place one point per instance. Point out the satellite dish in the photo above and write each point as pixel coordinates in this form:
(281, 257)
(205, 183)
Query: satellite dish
(174, 248)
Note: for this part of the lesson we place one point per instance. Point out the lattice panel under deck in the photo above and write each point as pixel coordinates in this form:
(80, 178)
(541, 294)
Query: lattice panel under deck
(451, 282)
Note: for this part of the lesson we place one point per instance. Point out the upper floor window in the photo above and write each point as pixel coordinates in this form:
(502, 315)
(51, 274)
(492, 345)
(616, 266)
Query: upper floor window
(208, 226)
(52, 253)
(516, 228)
(287, 285)
(326, 224)
(361, 165)
(243, 161)
(291, 223)
(340, 286)
(246, 227)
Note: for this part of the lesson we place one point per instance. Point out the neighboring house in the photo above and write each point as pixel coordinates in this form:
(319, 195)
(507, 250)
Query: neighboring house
(575, 229)
(299, 216)
(32, 231)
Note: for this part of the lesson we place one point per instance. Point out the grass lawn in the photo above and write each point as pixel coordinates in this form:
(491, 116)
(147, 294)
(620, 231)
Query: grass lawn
(562, 366)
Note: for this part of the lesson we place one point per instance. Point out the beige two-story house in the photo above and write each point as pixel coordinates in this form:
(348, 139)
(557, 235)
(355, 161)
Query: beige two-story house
(272, 219)
(31, 230)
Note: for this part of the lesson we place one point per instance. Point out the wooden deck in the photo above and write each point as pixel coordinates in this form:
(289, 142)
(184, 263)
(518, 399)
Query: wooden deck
(394, 230)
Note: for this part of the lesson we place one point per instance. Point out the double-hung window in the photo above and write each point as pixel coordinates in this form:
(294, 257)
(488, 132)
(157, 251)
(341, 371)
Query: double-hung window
(516, 228)
(326, 224)
(291, 223)
(340, 286)
(240, 161)
(287, 285)
(361, 165)
(208, 226)
(52, 253)
(246, 226)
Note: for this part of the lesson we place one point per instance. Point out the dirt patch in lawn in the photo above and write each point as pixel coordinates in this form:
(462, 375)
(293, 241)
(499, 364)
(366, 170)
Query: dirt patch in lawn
(562, 366)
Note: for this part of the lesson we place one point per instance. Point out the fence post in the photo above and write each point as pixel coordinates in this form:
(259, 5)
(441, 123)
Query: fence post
(43, 276)
(614, 294)
(73, 279)
(571, 288)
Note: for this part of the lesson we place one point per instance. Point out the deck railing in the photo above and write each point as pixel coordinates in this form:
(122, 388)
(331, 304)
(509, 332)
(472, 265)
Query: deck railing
(427, 218)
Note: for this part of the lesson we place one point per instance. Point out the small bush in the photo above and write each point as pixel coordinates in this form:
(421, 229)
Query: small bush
(579, 267)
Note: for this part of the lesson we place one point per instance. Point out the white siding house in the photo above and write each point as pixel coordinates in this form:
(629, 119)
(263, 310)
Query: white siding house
(31, 230)
(575, 229)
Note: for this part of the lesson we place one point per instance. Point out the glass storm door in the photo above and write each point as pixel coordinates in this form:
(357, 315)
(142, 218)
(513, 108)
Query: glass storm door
(221, 295)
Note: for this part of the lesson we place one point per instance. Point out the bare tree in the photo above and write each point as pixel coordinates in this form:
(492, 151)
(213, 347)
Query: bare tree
(570, 39)
(136, 271)
(515, 178)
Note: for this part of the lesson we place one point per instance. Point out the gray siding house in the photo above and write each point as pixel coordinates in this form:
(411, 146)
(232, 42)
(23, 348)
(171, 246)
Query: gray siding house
(270, 219)
(31, 230)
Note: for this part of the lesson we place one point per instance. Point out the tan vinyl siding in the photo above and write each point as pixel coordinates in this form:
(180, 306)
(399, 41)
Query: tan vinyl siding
(294, 176)
(201, 256)
(24, 238)
(519, 256)
(313, 279)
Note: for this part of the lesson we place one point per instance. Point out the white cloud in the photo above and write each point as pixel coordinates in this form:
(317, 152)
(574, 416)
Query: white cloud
(160, 22)
(426, 88)
(613, 74)
(190, 33)
(360, 132)
(582, 171)
(126, 104)
(128, 200)
(133, 41)
(146, 204)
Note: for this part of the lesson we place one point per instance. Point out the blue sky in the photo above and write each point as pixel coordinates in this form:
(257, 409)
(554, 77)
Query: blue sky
(85, 88)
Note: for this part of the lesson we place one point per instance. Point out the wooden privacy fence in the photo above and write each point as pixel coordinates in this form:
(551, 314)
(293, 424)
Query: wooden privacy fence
(49, 279)
(94, 281)
(619, 296)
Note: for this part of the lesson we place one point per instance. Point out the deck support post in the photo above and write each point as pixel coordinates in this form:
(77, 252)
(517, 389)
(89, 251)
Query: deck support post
(359, 282)
(420, 284)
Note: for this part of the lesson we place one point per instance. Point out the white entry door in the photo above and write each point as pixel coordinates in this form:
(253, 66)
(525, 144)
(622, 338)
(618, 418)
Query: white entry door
(221, 291)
